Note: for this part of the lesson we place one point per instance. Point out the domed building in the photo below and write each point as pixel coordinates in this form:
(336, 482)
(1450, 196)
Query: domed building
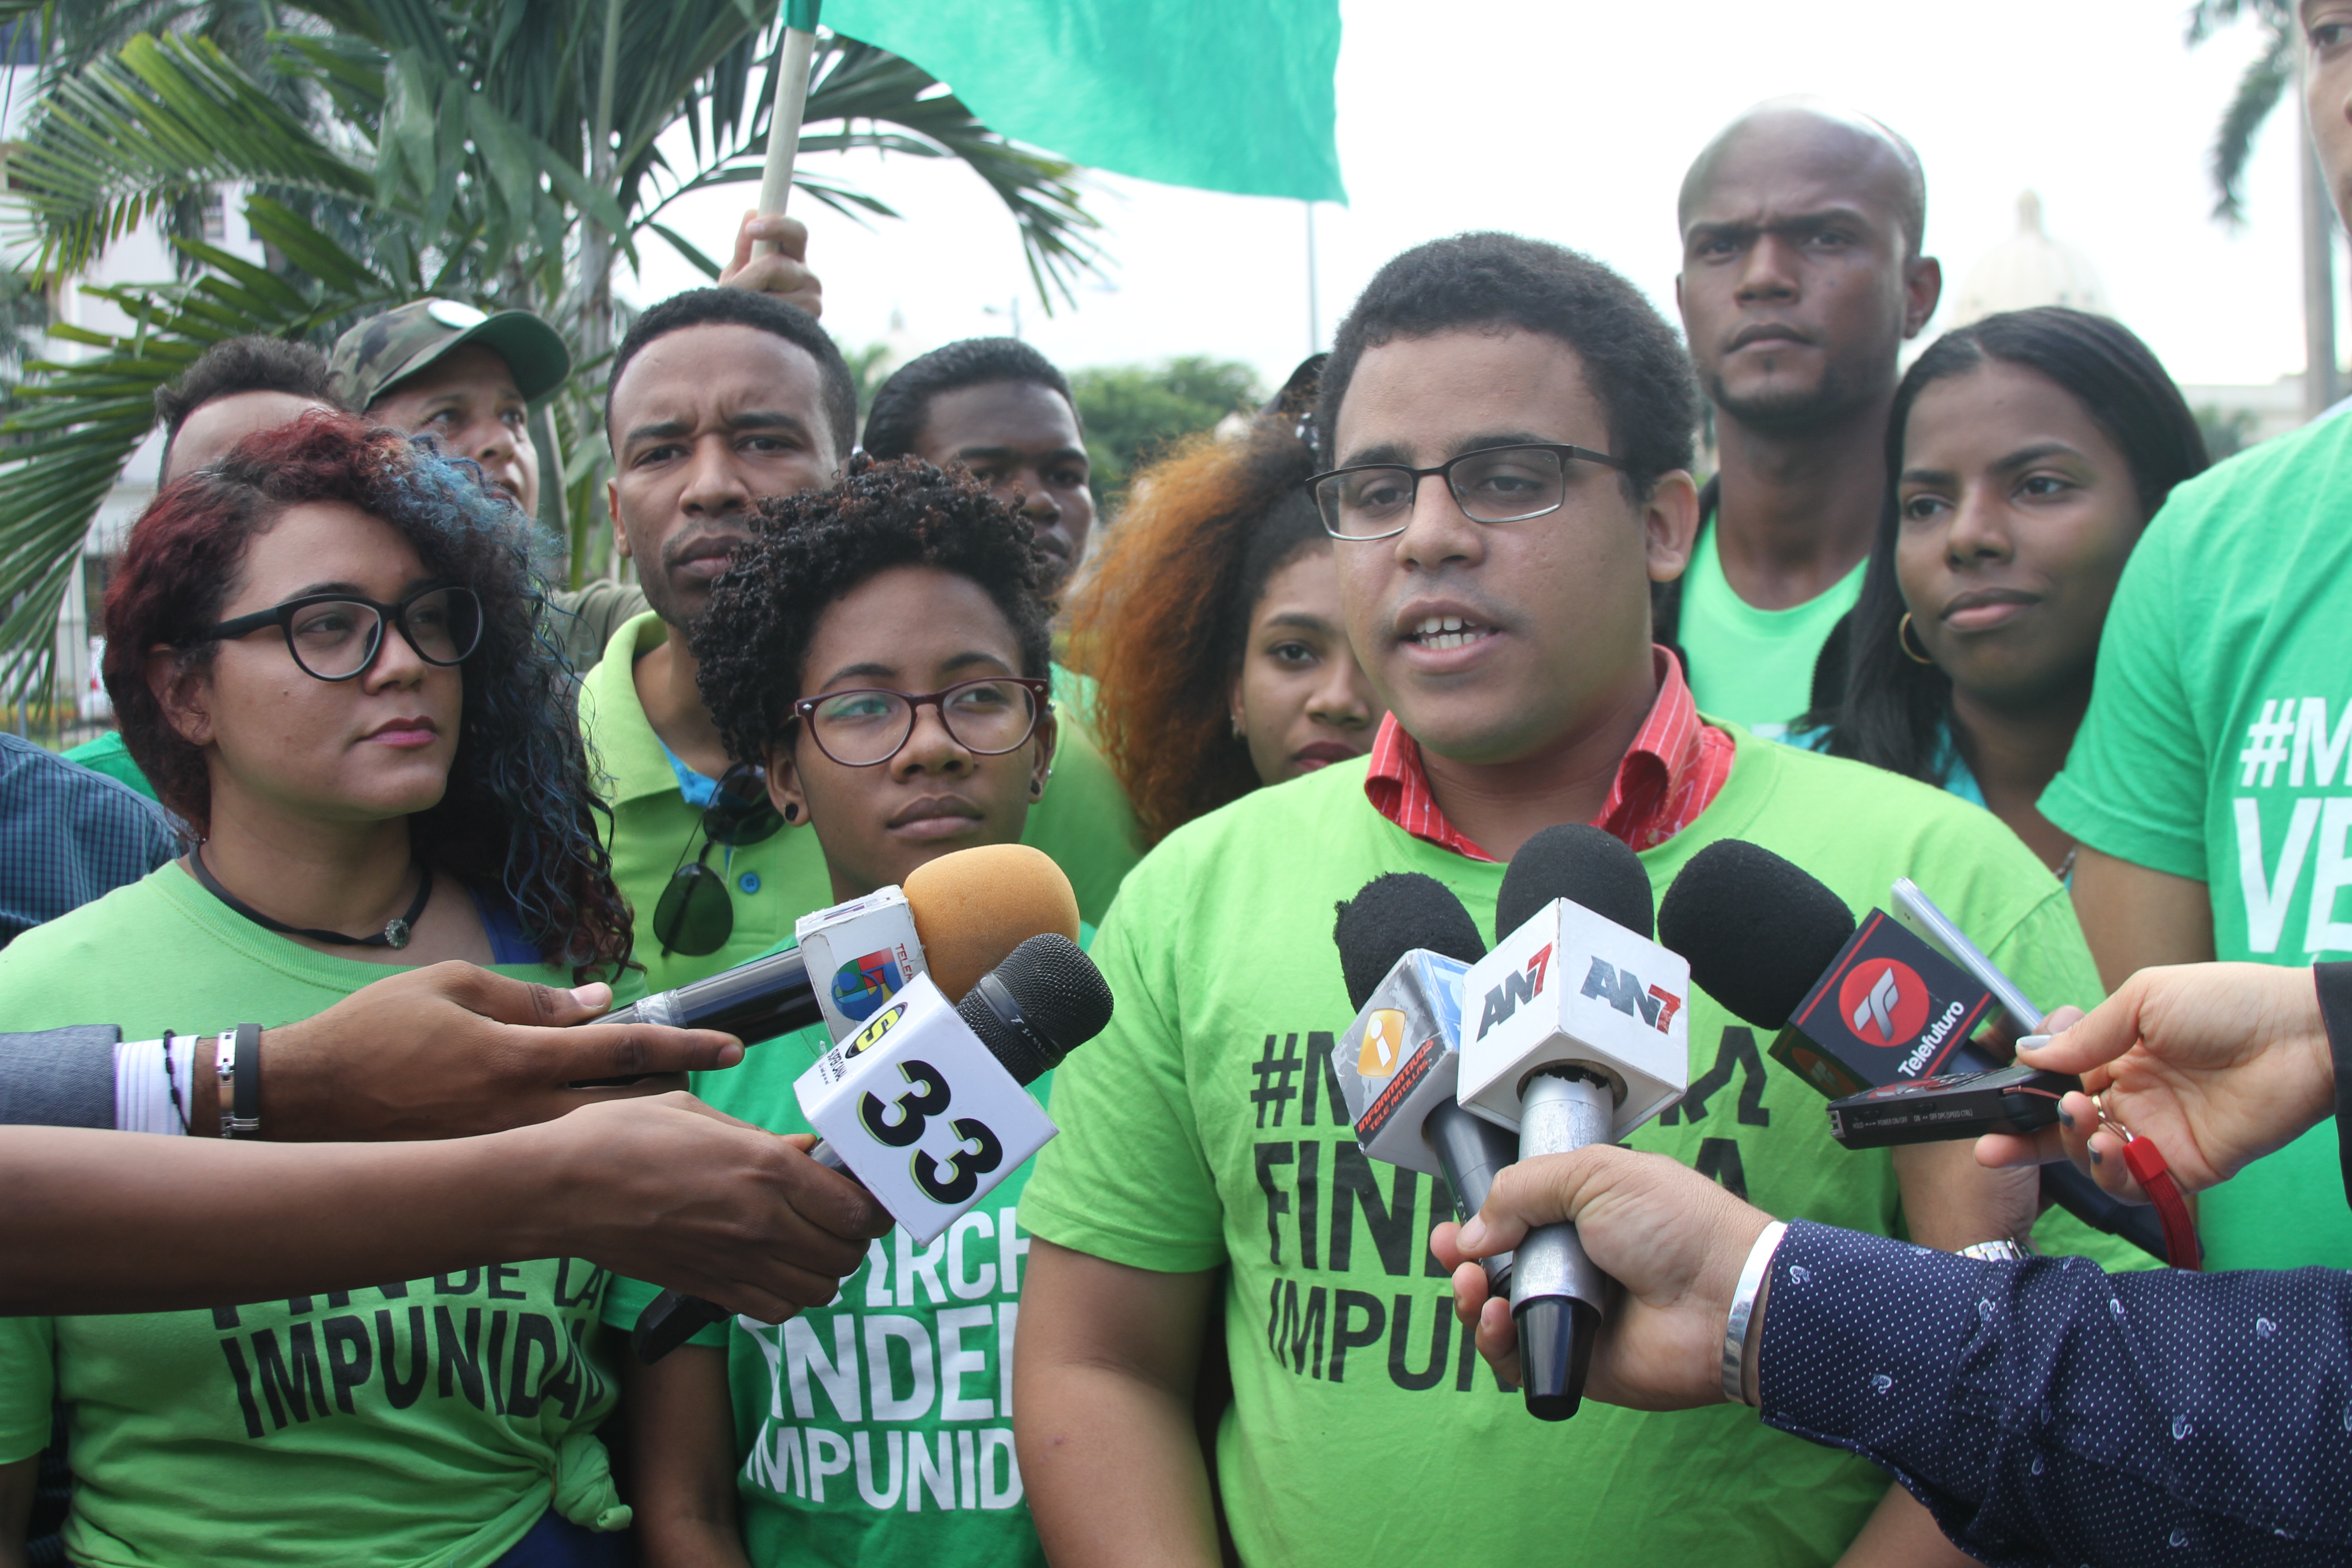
(2026, 270)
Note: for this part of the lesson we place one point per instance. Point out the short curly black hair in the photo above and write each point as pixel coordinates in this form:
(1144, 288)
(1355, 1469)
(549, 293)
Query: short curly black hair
(902, 405)
(763, 312)
(236, 365)
(808, 550)
(1632, 360)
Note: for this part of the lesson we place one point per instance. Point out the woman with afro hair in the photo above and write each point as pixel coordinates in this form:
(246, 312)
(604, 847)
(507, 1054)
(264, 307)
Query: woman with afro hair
(882, 651)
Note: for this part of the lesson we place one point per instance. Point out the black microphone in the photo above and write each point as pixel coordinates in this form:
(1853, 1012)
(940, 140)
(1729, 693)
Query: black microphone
(1854, 1008)
(758, 1001)
(1391, 917)
(1581, 1039)
(1026, 1016)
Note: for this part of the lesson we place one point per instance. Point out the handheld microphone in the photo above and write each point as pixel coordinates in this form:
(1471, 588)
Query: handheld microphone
(1868, 1008)
(1582, 1036)
(882, 1099)
(1404, 943)
(955, 920)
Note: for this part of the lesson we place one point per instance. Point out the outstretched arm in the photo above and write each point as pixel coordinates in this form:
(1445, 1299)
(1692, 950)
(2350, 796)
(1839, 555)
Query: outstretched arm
(2039, 1409)
(663, 1189)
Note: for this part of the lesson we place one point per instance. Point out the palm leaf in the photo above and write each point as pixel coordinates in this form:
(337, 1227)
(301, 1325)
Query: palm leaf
(2264, 82)
(162, 116)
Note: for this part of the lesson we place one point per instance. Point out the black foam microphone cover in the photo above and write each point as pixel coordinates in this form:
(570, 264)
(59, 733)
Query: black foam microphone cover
(1389, 917)
(1757, 930)
(1582, 864)
(1053, 998)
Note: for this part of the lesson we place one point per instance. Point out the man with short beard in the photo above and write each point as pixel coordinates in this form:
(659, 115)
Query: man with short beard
(1802, 278)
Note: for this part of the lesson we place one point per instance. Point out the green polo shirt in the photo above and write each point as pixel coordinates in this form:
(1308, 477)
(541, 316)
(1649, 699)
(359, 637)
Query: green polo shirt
(1084, 823)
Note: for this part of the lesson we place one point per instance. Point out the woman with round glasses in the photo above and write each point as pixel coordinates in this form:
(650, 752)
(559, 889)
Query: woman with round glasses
(882, 650)
(329, 653)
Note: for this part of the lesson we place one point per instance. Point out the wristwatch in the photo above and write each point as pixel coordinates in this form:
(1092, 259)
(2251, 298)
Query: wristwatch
(2005, 1250)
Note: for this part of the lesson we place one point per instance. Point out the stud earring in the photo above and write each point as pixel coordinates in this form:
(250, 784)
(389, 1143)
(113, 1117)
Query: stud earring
(792, 812)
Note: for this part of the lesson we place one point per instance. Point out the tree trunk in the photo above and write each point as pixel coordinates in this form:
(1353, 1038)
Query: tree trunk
(2319, 384)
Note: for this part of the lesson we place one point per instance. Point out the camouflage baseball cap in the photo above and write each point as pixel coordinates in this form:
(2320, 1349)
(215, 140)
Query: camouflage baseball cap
(382, 350)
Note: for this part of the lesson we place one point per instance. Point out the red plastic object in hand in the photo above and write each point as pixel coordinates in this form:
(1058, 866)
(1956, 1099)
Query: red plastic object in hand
(2145, 1163)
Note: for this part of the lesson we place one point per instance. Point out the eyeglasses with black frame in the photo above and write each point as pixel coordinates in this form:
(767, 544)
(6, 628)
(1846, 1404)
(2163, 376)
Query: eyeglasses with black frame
(336, 636)
(695, 913)
(1494, 484)
(867, 726)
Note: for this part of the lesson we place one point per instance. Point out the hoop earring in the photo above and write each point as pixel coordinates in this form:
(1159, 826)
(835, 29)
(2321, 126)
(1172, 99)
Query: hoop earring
(1903, 640)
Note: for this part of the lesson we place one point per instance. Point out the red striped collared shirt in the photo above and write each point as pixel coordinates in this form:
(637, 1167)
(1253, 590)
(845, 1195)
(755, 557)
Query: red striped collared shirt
(1669, 775)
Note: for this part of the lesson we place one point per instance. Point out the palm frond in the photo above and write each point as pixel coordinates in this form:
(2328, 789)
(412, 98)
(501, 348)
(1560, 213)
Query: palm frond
(2261, 87)
(158, 119)
(78, 421)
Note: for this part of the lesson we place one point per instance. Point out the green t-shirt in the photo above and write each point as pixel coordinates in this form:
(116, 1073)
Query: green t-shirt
(2216, 748)
(109, 755)
(1206, 1127)
(425, 1422)
(1752, 666)
(878, 1429)
(1084, 822)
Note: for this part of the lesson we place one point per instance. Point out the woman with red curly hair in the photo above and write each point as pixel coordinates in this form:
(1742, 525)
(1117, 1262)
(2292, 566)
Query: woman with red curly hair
(330, 653)
(1211, 624)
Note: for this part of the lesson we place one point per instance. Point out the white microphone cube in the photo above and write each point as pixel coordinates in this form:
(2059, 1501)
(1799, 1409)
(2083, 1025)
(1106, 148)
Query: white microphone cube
(1396, 1063)
(859, 955)
(921, 1111)
(1570, 986)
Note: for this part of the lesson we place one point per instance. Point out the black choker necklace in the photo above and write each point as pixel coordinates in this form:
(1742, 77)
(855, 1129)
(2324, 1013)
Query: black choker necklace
(396, 932)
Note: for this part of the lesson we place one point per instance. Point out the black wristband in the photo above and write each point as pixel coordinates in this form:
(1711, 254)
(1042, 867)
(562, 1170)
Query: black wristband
(2334, 982)
(247, 1119)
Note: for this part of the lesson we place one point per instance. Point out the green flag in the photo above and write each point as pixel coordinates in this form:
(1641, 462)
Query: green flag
(1226, 95)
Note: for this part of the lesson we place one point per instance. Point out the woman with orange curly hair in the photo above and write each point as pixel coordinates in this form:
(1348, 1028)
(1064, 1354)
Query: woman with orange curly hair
(1211, 625)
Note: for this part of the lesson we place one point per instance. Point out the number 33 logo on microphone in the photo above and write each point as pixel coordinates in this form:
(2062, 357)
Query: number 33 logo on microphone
(921, 1111)
(957, 1178)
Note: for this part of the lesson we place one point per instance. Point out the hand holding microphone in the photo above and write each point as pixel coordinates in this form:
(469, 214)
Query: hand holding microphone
(2218, 1064)
(1580, 1036)
(1672, 1238)
(947, 947)
(1872, 1015)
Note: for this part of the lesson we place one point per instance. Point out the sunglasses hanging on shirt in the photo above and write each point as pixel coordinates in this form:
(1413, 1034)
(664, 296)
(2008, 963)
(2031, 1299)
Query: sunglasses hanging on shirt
(697, 913)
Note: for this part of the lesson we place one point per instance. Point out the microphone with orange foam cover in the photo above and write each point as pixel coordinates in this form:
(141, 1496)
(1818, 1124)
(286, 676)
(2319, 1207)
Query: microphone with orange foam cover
(971, 910)
(974, 907)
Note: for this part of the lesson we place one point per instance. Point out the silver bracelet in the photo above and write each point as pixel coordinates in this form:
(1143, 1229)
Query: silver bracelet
(224, 1078)
(1743, 1310)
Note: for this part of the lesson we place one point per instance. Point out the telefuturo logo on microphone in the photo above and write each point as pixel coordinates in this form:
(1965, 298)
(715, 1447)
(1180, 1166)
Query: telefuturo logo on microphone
(1886, 1001)
(1901, 1009)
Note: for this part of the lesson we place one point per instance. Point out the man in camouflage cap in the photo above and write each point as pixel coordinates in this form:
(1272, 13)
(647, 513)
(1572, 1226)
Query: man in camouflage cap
(467, 377)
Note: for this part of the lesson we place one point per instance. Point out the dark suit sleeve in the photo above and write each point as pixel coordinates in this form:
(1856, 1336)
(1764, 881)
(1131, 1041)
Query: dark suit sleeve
(2046, 1411)
(60, 1078)
(2335, 981)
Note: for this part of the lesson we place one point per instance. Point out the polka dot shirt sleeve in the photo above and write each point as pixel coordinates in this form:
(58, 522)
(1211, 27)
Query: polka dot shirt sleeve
(2048, 1412)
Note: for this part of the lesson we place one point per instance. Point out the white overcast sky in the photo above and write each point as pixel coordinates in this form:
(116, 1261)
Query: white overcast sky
(1573, 121)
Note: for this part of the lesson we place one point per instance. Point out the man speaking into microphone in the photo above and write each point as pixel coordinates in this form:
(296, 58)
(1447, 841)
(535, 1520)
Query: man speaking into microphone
(1507, 434)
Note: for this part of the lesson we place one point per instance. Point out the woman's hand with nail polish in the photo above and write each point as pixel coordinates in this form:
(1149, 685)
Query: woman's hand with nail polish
(2218, 1063)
